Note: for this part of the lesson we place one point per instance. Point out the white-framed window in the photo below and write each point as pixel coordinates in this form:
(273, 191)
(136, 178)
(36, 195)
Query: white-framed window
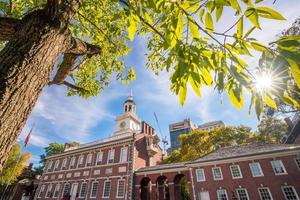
(111, 156)
(99, 158)
(289, 192)
(278, 167)
(106, 189)
(236, 171)
(83, 188)
(97, 172)
(242, 194)
(49, 165)
(256, 169)
(200, 175)
(89, 159)
(94, 189)
(297, 160)
(64, 163)
(49, 191)
(217, 173)
(222, 194)
(72, 162)
(80, 161)
(56, 190)
(124, 154)
(66, 189)
(42, 189)
(86, 173)
(56, 165)
(121, 189)
(265, 193)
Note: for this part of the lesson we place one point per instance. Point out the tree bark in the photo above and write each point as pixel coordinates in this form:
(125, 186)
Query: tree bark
(26, 63)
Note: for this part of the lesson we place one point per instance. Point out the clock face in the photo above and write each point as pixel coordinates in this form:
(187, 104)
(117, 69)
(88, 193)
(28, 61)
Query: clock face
(123, 124)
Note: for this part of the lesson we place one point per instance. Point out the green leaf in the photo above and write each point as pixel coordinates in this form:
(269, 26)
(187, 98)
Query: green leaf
(179, 27)
(236, 97)
(194, 29)
(148, 18)
(182, 95)
(258, 106)
(201, 14)
(252, 15)
(131, 28)
(209, 24)
(219, 12)
(295, 71)
(258, 47)
(206, 76)
(240, 28)
(195, 85)
(270, 102)
(267, 12)
(235, 5)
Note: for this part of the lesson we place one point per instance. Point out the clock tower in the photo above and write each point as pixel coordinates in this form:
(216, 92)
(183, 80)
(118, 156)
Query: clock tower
(128, 121)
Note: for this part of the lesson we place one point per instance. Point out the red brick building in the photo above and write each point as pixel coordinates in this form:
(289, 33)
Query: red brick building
(102, 169)
(237, 172)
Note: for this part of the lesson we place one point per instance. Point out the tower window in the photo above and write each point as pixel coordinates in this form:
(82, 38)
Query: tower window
(129, 108)
(125, 108)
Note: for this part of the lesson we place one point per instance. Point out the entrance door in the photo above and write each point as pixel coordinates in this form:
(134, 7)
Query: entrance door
(204, 195)
(74, 191)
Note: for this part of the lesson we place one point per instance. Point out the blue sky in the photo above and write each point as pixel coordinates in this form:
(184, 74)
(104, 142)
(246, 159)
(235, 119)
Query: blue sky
(59, 118)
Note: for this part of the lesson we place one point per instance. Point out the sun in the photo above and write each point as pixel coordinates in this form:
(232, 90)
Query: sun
(264, 81)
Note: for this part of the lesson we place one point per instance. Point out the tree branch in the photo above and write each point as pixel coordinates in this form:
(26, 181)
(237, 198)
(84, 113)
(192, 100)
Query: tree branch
(8, 27)
(72, 86)
(78, 48)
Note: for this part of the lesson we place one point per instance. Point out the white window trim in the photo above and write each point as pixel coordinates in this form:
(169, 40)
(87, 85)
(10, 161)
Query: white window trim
(293, 188)
(242, 189)
(108, 156)
(49, 188)
(268, 191)
(56, 165)
(92, 190)
(80, 161)
(121, 154)
(99, 155)
(104, 189)
(79, 196)
(64, 164)
(42, 189)
(204, 179)
(56, 186)
(241, 175)
(64, 187)
(49, 167)
(222, 190)
(216, 179)
(298, 166)
(118, 188)
(261, 171)
(87, 159)
(72, 164)
(278, 174)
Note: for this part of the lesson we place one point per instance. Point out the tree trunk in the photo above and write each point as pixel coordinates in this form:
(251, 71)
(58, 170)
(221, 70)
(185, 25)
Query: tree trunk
(26, 64)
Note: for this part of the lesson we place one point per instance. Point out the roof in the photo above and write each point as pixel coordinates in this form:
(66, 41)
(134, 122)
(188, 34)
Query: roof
(210, 123)
(246, 150)
(161, 167)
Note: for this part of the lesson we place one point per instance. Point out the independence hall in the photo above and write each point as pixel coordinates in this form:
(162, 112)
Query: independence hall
(128, 166)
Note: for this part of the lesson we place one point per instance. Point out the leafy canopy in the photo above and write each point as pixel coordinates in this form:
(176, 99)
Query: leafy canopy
(182, 38)
(198, 142)
(52, 149)
(14, 165)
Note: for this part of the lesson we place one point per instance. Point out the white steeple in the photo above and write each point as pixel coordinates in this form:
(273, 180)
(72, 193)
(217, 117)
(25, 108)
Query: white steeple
(128, 121)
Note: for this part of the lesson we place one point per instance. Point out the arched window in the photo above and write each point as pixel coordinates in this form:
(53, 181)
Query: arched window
(125, 108)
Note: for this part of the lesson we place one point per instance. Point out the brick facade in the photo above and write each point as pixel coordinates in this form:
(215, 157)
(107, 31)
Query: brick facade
(268, 179)
(82, 168)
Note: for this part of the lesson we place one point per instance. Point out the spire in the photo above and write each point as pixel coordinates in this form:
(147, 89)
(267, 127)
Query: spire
(129, 104)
